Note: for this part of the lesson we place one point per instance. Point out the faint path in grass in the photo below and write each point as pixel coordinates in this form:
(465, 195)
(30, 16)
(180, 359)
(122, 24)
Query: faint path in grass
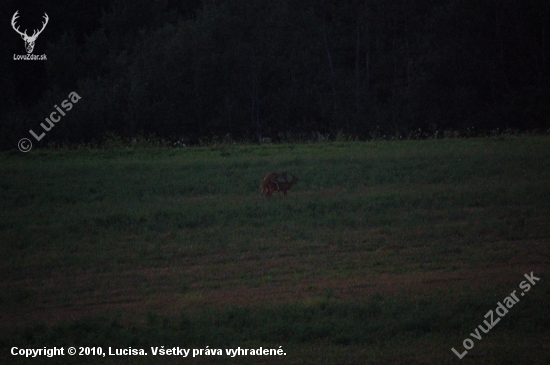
(114, 294)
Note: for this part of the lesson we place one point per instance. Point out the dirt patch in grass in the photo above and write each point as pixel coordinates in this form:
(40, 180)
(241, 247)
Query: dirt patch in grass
(172, 289)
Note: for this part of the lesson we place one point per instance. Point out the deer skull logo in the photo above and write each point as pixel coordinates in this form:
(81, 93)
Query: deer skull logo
(29, 41)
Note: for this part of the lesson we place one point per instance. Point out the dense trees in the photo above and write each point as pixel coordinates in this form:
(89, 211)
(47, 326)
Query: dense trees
(260, 68)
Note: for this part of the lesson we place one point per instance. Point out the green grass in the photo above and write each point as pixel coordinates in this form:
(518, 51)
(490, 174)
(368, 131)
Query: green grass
(383, 252)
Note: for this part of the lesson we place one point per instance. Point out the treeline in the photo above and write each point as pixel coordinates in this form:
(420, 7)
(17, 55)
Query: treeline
(255, 69)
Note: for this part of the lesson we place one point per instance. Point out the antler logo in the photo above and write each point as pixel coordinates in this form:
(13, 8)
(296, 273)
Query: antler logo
(29, 41)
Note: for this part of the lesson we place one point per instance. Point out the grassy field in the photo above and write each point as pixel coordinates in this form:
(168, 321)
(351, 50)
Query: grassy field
(382, 253)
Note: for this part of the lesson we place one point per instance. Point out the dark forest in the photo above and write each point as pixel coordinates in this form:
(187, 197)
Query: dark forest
(259, 70)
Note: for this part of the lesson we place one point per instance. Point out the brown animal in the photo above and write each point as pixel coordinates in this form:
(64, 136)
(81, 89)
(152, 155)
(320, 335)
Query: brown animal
(283, 186)
(272, 178)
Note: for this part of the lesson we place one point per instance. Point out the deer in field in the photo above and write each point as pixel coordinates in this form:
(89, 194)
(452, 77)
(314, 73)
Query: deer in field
(272, 178)
(283, 186)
